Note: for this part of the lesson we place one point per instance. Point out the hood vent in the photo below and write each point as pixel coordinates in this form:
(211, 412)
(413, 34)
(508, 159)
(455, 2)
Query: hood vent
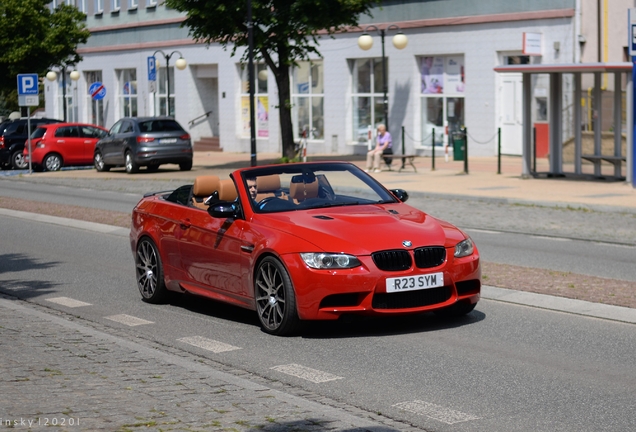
(323, 217)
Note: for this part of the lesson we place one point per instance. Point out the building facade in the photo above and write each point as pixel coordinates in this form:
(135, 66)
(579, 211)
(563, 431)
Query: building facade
(441, 81)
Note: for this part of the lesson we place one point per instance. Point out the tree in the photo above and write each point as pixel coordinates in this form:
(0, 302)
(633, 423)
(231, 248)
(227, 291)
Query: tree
(33, 38)
(284, 32)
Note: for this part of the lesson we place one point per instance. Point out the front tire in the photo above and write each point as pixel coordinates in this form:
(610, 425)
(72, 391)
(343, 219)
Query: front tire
(131, 166)
(459, 309)
(18, 161)
(52, 162)
(98, 161)
(275, 298)
(150, 272)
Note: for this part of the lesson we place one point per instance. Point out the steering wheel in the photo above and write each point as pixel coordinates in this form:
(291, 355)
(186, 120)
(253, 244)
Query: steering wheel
(264, 201)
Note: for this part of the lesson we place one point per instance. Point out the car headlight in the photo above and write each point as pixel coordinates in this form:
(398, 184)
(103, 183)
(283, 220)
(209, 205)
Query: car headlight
(323, 260)
(464, 248)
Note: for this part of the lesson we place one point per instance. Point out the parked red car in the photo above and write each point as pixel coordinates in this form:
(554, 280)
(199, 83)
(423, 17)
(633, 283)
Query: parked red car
(63, 144)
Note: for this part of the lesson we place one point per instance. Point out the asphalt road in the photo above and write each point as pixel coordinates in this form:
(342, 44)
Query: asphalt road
(502, 368)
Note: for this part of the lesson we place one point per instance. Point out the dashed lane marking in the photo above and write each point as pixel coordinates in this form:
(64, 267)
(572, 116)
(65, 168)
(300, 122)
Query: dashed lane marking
(435, 412)
(306, 373)
(208, 344)
(68, 302)
(128, 320)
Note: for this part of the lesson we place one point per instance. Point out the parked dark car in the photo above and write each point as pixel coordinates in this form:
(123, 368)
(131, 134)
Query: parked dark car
(56, 145)
(144, 141)
(13, 136)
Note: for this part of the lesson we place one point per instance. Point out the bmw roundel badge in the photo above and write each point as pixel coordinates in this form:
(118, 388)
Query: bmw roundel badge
(407, 243)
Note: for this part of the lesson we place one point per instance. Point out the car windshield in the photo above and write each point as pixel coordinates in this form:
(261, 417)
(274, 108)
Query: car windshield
(312, 185)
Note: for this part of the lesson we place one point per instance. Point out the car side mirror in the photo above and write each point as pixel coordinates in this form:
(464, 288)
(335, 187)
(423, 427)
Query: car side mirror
(400, 194)
(224, 209)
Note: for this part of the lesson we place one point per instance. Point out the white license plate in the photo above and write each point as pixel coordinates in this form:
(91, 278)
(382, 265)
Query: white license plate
(412, 283)
(168, 141)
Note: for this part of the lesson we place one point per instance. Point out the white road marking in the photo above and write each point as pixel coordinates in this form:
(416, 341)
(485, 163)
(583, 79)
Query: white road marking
(551, 238)
(435, 412)
(482, 231)
(68, 302)
(208, 344)
(306, 373)
(128, 320)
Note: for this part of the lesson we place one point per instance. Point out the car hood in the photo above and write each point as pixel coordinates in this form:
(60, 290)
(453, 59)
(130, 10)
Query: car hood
(363, 229)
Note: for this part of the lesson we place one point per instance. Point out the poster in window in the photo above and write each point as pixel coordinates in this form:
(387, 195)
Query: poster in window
(432, 73)
(454, 75)
(245, 115)
(262, 116)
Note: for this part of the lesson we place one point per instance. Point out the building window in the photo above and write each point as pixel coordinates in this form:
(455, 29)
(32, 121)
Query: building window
(81, 5)
(132, 4)
(261, 101)
(151, 3)
(368, 97)
(442, 98)
(99, 6)
(95, 107)
(127, 92)
(161, 98)
(116, 5)
(308, 100)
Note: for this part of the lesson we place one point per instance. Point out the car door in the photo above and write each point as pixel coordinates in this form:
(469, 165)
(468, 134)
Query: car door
(68, 143)
(108, 144)
(211, 252)
(90, 135)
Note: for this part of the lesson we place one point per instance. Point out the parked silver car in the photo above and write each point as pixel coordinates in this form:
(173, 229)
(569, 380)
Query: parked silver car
(144, 141)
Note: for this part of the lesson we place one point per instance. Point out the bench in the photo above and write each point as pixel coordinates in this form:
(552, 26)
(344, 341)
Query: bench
(406, 159)
(596, 159)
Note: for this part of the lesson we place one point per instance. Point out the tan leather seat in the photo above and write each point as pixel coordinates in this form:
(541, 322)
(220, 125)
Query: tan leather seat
(204, 186)
(268, 186)
(302, 191)
(227, 190)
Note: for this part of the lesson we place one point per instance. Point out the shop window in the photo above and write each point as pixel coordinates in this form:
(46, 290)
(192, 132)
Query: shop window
(308, 100)
(368, 97)
(127, 92)
(261, 100)
(442, 87)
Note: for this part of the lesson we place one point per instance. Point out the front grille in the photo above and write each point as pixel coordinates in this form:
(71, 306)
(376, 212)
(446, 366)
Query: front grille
(411, 299)
(392, 260)
(426, 257)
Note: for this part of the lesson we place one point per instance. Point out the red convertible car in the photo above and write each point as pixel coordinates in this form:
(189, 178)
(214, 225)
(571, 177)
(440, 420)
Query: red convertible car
(297, 242)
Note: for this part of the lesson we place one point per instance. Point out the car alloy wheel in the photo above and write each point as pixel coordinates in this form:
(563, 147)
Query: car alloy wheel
(131, 166)
(18, 161)
(275, 298)
(98, 161)
(53, 162)
(150, 272)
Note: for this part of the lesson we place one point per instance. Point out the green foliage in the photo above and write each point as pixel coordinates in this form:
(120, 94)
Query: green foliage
(285, 31)
(33, 38)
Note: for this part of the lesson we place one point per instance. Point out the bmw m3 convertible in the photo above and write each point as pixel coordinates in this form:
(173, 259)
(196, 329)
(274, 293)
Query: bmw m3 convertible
(299, 242)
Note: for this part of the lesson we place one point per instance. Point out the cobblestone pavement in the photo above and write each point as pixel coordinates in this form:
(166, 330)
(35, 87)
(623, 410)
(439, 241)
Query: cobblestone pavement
(58, 373)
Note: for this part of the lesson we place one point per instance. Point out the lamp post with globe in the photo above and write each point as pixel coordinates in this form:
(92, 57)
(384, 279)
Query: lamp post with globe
(52, 76)
(179, 64)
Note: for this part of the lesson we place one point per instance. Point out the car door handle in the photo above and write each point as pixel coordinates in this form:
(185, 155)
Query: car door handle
(87, 142)
(247, 248)
(185, 224)
(60, 141)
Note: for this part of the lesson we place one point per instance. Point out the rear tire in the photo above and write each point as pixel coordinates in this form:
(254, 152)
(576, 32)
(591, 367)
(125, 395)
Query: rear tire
(150, 272)
(18, 161)
(52, 162)
(131, 166)
(185, 166)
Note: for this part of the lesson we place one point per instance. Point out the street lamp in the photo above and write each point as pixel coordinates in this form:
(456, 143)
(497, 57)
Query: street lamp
(52, 76)
(365, 42)
(179, 64)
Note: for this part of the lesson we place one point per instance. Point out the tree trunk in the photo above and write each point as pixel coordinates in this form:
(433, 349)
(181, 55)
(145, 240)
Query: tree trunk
(284, 109)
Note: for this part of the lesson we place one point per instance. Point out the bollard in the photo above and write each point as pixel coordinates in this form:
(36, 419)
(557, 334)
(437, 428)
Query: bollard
(465, 150)
(498, 150)
(433, 151)
(403, 150)
(534, 150)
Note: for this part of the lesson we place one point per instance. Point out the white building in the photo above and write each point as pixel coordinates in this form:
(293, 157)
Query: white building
(442, 80)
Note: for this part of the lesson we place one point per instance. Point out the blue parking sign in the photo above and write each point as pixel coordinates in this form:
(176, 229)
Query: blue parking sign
(28, 84)
(152, 69)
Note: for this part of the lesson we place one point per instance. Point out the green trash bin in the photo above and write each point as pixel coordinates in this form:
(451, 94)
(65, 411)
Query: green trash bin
(458, 146)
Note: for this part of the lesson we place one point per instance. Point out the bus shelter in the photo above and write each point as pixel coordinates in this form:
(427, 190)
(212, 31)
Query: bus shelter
(555, 74)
